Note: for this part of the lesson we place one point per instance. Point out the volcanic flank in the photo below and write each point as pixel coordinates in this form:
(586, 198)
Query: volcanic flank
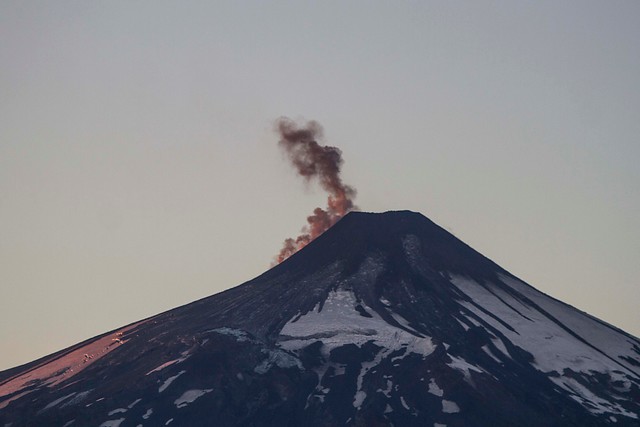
(385, 319)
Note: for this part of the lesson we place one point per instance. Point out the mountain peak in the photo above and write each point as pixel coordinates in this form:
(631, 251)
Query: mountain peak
(393, 233)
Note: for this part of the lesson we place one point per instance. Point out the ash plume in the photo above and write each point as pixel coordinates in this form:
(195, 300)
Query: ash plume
(318, 162)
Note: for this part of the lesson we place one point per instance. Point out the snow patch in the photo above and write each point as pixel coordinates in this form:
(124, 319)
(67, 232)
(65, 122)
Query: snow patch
(117, 411)
(472, 320)
(434, 389)
(238, 334)
(183, 356)
(404, 403)
(168, 381)
(134, 403)
(147, 414)
(190, 396)
(404, 323)
(338, 323)
(320, 393)
(112, 423)
(279, 358)
(358, 399)
(463, 366)
(500, 346)
(449, 407)
(161, 367)
(387, 390)
(78, 398)
(464, 325)
(56, 402)
(488, 351)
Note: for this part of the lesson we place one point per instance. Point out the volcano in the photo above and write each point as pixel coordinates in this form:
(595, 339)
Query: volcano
(385, 319)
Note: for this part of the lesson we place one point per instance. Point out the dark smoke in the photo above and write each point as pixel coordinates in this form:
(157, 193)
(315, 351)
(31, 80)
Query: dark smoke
(314, 161)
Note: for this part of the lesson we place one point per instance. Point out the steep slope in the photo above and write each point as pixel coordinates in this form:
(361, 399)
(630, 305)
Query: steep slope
(384, 319)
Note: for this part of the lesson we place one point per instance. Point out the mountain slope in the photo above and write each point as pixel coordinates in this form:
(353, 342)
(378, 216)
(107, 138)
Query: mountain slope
(384, 319)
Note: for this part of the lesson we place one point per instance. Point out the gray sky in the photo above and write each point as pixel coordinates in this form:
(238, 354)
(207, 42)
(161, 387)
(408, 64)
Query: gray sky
(139, 168)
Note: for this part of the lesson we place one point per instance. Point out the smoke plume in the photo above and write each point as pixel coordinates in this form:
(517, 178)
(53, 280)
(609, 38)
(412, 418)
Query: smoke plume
(318, 162)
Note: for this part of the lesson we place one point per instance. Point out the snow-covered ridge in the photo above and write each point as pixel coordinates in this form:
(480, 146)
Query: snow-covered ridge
(601, 336)
(338, 323)
(559, 338)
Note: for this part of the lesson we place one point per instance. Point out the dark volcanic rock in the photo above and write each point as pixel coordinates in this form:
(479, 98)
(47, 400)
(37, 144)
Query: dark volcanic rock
(386, 319)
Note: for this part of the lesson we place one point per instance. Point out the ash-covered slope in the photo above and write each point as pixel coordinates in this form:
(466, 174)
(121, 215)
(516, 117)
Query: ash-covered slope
(386, 319)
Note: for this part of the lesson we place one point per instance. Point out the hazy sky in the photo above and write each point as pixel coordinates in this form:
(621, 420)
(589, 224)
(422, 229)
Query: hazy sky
(139, 169)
